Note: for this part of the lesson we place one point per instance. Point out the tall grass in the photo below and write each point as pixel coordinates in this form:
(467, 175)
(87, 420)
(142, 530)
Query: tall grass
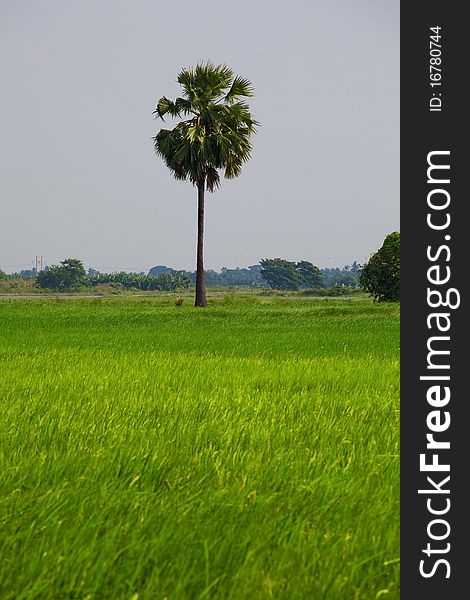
(245, 451)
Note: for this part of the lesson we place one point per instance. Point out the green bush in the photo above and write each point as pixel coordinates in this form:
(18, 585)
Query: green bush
(69, 275)
(381, 275)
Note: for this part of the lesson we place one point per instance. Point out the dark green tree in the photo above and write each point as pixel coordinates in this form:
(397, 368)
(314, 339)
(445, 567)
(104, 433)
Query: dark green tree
(381, 275)
(216, 135)
(311, 275)
(280, 274)
(159, 269)
(69, 275)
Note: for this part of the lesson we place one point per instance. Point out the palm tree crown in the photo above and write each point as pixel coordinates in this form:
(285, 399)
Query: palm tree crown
(217, 133)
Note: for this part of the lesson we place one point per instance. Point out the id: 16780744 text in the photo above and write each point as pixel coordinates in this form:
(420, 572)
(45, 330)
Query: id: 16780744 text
(435, 68)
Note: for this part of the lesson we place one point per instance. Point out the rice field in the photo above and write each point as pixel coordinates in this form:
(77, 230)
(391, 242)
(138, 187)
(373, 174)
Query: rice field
(248, 451)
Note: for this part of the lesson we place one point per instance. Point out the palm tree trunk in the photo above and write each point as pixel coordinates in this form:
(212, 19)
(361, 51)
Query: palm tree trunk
(200, 285)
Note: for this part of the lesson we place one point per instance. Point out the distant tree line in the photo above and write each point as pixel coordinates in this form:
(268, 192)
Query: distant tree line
(24, 274)
(166, 282)
(70, 275)
(246, 277)
(380, 276)
(276, 273)
(346, 276)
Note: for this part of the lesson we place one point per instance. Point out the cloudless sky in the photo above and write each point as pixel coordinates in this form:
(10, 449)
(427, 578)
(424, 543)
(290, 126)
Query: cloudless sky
(78, 174)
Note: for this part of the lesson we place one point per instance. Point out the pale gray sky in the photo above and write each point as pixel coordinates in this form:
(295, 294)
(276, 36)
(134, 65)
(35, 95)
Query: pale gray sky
(78, 175)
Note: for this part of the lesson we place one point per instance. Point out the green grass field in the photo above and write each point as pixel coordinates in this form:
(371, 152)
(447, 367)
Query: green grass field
(247, 451)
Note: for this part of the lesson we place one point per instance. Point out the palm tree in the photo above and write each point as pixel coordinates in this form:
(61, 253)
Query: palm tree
(216, 135)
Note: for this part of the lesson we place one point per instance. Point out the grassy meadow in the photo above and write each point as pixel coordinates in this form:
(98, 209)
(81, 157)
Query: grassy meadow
(247, 451)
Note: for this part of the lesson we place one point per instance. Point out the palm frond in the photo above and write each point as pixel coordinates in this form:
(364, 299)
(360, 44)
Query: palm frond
(165, 106)
(240, 88)
(184, 107)
(212, 179)
(211, 80)
(186, 80)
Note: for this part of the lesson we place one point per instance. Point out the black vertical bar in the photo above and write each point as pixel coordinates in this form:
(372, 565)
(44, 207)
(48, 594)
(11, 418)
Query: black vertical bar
(424, 131)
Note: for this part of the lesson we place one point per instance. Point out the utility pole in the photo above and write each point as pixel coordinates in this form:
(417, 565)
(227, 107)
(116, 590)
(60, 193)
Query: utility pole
(38, 263)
